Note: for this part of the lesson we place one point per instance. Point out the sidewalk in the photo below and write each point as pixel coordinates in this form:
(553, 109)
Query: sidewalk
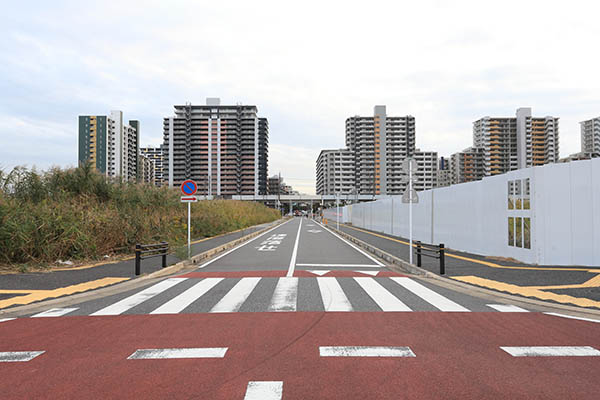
(575, 285)
(16, 289)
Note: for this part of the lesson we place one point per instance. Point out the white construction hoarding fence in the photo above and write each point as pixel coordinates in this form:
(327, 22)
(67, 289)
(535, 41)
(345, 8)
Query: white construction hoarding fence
(547, 215)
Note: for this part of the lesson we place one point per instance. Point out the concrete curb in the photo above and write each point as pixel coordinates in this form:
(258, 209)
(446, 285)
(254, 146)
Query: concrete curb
(402, 266)
(181, 266)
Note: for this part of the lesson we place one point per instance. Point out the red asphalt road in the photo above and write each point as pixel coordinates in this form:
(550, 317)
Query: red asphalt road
(279, 273)
(457, 356)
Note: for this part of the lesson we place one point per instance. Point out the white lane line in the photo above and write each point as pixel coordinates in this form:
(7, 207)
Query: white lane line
(334, 298)
(340, 265)
(242, 245)
(435, 299)
(18, 356)
(351, 245)
(506, 308)
(6, 319)
(365, 351)
(295, 252)
(138, 298)
(372, 273)
(320, 273)
(54, 312)
(264, 390)
(159, 354)
(238, 294)
(380, 295)
(178, 303)
(572, 317)
(285, 297)
(551, 351)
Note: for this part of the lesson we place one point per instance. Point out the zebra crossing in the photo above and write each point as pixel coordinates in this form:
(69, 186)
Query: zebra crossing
(284, 294)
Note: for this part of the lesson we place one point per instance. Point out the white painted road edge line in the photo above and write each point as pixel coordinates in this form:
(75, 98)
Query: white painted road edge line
(351, 245)
(340, 265)
(18, 356)
(242, 245)
(572, 317)
(290, 272)
(365, 351)
(54, 312)
(159, 354)
(551, 351)
(264, 390)
(506, 308)
(6, 319)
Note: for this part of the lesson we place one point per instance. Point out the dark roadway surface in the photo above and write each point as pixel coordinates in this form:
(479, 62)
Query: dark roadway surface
(550, 276)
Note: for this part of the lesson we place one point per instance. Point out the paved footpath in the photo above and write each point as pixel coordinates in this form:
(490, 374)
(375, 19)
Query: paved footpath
(296, 313)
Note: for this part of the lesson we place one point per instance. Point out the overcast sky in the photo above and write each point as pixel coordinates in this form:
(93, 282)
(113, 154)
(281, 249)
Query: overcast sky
(307, 66)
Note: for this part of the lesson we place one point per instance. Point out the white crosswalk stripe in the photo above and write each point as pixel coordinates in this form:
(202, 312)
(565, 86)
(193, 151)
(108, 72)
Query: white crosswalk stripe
(178, 303)
(334, 298)
(285, 296)
(234, 299)
(54, 312)
(138, 298)
(433, 298)
(380, 295)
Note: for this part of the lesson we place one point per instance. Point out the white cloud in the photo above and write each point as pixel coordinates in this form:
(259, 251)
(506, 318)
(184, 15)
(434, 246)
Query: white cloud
(308, 66)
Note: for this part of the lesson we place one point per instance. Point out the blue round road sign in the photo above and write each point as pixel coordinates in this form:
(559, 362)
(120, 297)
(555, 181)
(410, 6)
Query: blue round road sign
(188, 187)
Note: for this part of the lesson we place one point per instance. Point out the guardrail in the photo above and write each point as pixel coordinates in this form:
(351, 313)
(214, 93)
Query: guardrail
(143, 251)
(437, 253)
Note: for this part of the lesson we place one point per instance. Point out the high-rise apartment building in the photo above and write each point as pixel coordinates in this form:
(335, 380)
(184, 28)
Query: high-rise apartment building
(109, 144)
(335, 172)
(590, 137)
(223, 148)
(427, 171)
(467, 165)
(514, 143)
(380, 143)
(146, 170)
(156, 155)
(444, 173)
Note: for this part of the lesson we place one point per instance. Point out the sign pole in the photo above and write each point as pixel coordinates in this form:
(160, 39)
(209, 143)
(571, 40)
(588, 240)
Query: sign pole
(189, 188)
(410, 182)
(189, 230)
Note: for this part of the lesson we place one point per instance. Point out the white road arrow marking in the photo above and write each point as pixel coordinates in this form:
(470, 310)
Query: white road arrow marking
(372, 273)
(320, 273)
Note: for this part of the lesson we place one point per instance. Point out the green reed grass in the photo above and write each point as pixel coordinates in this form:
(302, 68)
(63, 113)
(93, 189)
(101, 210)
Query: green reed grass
(78, 214)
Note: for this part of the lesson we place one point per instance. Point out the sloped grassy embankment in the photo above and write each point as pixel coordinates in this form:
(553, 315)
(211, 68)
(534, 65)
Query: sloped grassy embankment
(77, 214)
